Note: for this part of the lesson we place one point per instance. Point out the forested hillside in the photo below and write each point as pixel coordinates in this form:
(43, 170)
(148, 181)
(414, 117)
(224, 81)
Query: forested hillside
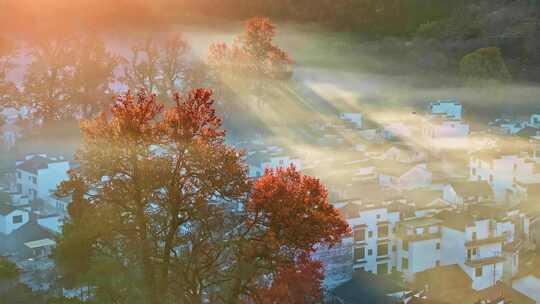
(433, 34)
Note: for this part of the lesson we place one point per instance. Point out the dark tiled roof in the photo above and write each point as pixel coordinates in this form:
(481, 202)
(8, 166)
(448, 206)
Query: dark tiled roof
(454, 277)
(509, 294)
(371, 192)
(34, 164)
(456, 287)
(365, 287)
(455, 220)
(528, 132)
(422, 198)
(6, 209)
(486, 211)
(394, 169)
(14, 243)
(475, 188)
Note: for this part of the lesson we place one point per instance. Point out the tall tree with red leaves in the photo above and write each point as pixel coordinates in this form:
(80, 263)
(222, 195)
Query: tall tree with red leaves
(164, 210)
(253, 52)
(299, 283)
(253, 60)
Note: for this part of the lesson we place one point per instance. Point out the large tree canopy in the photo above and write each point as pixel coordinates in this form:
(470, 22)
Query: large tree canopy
(163, 211)
(486, 64)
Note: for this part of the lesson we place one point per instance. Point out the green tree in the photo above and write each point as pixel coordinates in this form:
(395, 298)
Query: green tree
(8, 269)
(483, 66)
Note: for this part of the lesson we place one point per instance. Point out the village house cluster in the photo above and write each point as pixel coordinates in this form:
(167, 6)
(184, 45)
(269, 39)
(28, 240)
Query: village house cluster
(426, 196)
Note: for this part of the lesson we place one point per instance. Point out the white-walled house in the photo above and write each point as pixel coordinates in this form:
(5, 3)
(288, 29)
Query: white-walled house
(483, 242)
(59, 204)
(373, 231)
(504, 171)
(403, 154)
(260, 161)
(12, 218)
(437, 129)
(448, 109)
(459, 193)
(404, 176)
(39, 175)
(475, 247)
(370, 247)
(53, 222)
(418, 245)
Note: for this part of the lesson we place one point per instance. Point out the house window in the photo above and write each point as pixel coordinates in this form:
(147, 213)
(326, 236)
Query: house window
(378, 216)
(471, 252)
(394, 248)
(438, 246)
(382, 268)
(474, 236)
(370, 234)
(404, 263)
(370, 252)
(382, 231)
(359, 253)
(382, 249)
(478, 272)
(437, 263)
(34, 180)
(359, 235)
(405, 245)
(18, 174)
(19, 188)
(17, 219)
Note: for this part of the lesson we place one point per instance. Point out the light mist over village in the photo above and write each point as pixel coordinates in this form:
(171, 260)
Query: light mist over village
(270, 152)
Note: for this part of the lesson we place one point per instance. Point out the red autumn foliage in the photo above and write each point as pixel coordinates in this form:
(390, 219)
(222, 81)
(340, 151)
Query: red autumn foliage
(193, 117)
(296, 284)
(296, 210)
(253, 52)
(175, 163)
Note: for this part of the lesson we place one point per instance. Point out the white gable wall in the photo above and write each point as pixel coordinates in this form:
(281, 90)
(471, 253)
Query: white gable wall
(449, 108)
(49, 179)
(8, 224)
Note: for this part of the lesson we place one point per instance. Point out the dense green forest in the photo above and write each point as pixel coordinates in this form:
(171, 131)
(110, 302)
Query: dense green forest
(389, 17)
